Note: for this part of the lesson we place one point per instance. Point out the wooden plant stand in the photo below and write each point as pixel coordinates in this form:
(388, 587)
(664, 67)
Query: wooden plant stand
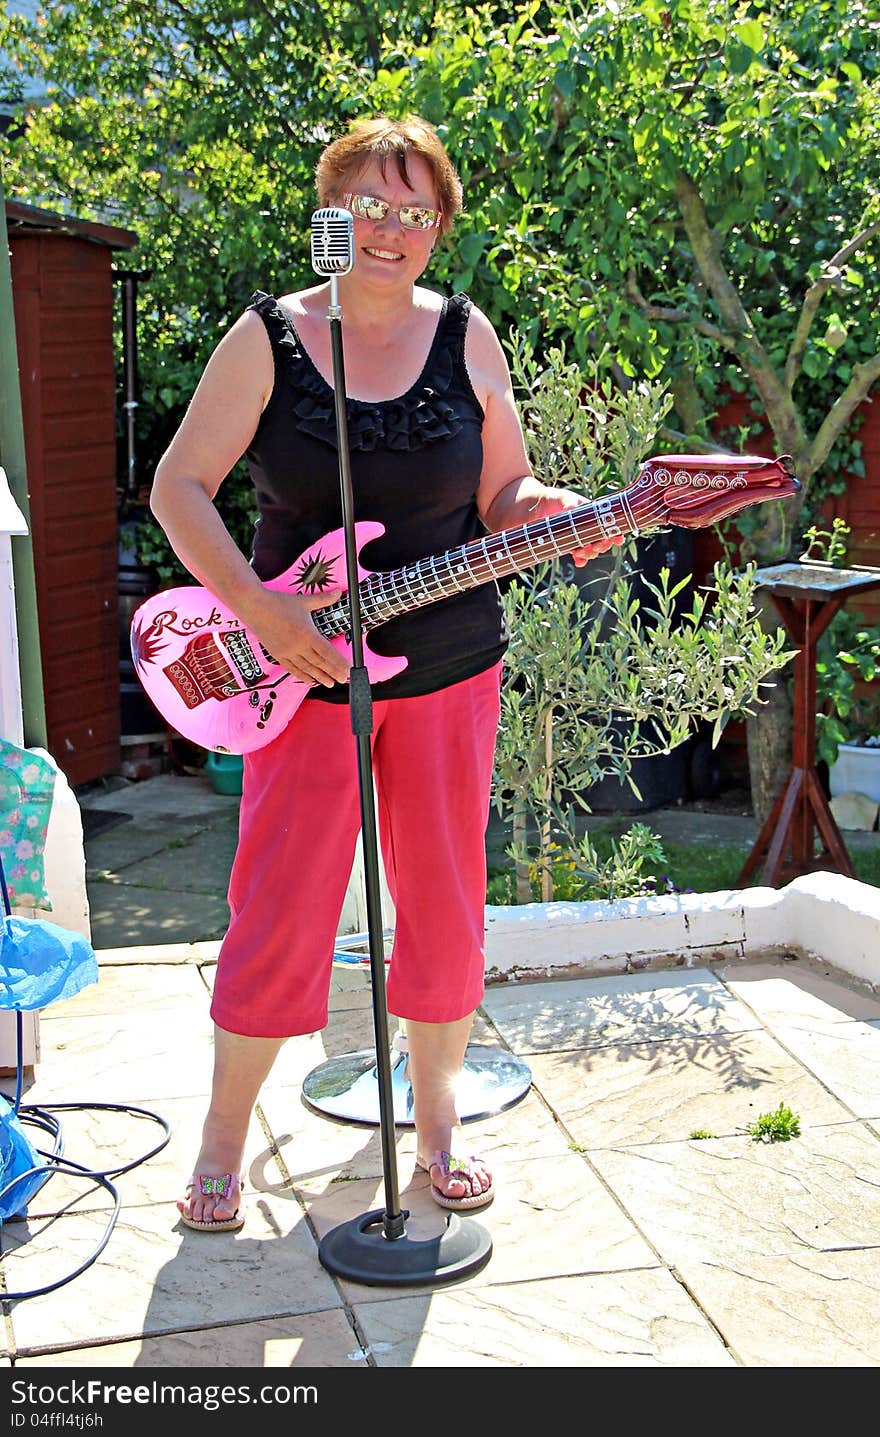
(806, 596)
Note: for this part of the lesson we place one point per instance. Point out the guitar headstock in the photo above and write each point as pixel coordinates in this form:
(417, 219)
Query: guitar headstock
(693, 491)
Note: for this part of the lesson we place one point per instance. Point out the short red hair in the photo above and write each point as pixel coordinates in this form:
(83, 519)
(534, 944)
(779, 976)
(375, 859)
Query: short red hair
(383, 139)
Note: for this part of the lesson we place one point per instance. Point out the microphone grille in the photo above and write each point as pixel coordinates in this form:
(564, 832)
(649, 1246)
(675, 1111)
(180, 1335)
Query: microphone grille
(332, 241)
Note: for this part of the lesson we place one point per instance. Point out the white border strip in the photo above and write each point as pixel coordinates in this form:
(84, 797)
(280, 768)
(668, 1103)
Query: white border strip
(821, 915)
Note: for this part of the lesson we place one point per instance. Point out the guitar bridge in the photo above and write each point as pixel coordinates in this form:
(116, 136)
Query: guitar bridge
(203, 672)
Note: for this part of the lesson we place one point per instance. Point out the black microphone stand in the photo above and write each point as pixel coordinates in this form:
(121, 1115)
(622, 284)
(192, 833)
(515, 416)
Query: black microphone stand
(374, 1248)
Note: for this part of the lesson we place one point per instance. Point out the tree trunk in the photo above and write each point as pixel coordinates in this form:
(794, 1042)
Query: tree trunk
(768, 732)
(546, 832)
(519, 827)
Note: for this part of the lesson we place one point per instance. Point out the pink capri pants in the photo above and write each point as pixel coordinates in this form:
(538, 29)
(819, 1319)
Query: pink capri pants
(298, 828)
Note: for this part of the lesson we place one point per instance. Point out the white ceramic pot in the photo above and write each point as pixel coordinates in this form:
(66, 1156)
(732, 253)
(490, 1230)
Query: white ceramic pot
(856, 770)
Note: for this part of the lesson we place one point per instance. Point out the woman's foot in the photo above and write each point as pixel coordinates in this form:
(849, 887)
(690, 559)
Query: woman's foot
(212, 1202)
(436, 1055)
(457, 1181)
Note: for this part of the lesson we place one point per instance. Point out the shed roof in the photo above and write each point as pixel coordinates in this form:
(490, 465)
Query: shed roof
(38, 221)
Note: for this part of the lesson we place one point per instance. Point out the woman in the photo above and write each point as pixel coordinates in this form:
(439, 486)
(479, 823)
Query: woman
(438, 457)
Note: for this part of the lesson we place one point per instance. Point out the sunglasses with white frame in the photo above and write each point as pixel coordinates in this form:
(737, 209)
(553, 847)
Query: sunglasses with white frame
(412, 217)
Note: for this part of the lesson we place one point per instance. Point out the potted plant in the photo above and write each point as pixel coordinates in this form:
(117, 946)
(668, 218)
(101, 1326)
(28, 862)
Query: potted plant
(847, 698)
(848, 705)
(591, 685)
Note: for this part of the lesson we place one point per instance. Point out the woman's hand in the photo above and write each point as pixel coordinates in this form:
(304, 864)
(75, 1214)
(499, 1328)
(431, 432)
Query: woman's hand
(283, 624)
(557, 501)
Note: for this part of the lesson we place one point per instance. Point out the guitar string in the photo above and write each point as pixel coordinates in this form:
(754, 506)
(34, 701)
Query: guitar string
(375, 589)
(498, 565)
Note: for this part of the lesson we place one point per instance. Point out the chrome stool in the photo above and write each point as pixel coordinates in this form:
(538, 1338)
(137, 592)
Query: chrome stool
(347, 1087)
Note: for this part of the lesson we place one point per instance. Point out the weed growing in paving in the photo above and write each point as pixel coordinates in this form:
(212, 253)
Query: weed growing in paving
(775, 1127)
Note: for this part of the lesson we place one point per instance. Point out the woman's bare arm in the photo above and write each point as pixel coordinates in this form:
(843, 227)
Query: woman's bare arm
(219, 424)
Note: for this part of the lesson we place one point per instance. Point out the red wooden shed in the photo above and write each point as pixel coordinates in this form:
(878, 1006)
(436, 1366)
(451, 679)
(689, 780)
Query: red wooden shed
(63, 298)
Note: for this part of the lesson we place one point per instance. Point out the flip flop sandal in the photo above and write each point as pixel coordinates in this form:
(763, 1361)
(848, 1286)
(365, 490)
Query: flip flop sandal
(451, 1167)
(219, 1187)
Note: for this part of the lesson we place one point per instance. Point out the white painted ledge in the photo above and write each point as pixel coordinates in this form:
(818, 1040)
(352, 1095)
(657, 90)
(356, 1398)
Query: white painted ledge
(821, 915)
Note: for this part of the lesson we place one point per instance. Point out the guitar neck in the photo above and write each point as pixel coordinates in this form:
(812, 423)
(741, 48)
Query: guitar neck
(391, 592)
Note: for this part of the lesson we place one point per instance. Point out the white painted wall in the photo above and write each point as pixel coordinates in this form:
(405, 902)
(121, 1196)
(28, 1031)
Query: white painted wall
(820, 915)
(12, 522)
(64, 855)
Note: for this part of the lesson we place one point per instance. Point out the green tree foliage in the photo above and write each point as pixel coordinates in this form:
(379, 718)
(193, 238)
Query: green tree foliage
(690, 185)
(198, 125)
(694, 185)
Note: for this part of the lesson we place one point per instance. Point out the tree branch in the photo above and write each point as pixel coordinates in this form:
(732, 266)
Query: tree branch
(501, 162)
(830, 278)
(863, 378)
(778, 403)
(372, 41)
(676, 316)
(693, 441)
(217, 49)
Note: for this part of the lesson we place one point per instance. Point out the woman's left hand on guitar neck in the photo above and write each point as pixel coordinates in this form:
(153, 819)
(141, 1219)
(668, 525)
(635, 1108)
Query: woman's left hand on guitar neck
(525, 500)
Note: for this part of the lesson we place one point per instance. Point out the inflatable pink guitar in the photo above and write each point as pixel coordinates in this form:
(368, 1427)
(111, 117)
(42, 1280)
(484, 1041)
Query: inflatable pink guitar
(215, 684)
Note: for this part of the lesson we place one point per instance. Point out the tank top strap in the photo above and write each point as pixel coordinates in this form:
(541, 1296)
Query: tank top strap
(281, 335)
(458, 312)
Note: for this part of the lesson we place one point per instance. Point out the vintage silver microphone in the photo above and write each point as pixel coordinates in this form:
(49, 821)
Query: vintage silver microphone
(375, 1248)
(332, 242)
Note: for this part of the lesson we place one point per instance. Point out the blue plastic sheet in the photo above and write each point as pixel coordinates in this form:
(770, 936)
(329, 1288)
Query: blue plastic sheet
(41, 963)
(17, 1157)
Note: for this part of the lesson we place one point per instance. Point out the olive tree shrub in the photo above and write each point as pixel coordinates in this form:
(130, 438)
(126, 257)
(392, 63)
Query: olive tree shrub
(593, 683)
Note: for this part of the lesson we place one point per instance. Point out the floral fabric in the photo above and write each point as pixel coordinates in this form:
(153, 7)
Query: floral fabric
(27, 785)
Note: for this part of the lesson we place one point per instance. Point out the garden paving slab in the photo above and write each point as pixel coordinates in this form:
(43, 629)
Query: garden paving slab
(536, 1201)
(628, 1319)
(665, 1091)
(121, 1057)
(121, 914)
(312, 1339)
(795, 990)
(200, 861)
(103, 1140)
(150, 1278)
(141, 990)
(167, 796)
(818, 1309)
(843, 1056)
(733, 1199)
(318, 1151)
(115, 852)
(621, 1008)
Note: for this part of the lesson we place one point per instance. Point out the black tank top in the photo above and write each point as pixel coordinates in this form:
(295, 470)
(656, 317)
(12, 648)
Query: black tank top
(415, 466)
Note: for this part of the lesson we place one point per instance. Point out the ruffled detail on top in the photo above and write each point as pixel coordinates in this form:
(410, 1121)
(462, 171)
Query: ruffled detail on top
(423, 415)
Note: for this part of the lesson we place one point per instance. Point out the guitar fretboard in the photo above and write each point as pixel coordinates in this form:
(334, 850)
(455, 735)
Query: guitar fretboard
(388, 593)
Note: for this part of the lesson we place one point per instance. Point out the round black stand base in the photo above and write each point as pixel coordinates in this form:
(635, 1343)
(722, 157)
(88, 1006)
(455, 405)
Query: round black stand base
(360, 1251)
